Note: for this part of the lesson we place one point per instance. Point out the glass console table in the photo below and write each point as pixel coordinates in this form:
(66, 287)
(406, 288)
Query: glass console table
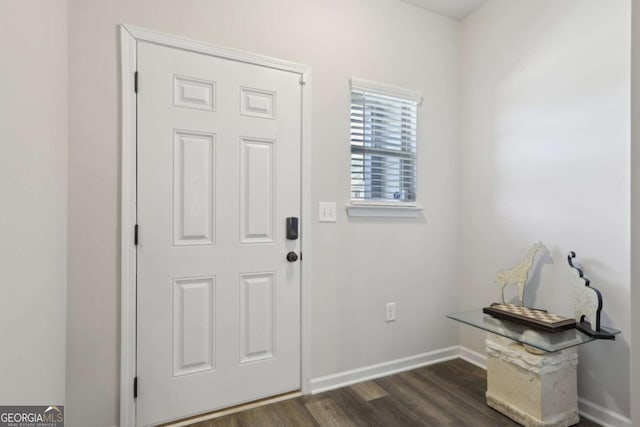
(535, 384)
(546, 341)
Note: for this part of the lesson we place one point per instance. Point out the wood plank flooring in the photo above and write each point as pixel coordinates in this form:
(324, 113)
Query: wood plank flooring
(445, 394)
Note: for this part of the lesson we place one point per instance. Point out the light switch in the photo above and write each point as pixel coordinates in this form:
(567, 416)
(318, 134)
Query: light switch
(390, 311)
(327, 212)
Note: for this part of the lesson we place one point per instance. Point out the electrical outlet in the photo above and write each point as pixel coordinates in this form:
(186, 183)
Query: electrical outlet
(327, 212)
(390, 310)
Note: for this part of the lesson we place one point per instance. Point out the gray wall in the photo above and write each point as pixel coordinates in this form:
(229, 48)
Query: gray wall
(357, 265)
(545, 156)
(33, 185)
(635, 213)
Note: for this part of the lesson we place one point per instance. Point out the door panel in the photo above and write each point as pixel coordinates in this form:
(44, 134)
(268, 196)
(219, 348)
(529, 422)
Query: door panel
(257, 197)
(193, 325)
(218, 173)
(256, 316)
(194, 188)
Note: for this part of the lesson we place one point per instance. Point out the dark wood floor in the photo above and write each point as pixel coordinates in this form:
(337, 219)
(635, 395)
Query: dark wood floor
(446, 394)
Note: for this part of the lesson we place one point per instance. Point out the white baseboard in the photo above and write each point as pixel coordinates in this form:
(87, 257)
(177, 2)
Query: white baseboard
(587, 409)
(473, 357)
(600, 415)
(341, 379)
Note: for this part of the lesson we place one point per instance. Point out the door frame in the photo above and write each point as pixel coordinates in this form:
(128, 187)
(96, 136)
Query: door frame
(129, 36)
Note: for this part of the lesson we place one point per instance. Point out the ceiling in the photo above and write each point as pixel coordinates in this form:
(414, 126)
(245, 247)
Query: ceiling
(456, 9)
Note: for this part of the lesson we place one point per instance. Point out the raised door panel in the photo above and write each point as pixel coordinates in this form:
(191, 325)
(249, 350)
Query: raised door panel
(195, 93)
(257, 190)
(193, 325)
(258, 103)
(256, 316)
(194, 188)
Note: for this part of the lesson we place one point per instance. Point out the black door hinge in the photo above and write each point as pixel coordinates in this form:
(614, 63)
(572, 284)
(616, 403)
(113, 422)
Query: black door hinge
(135, 234)
(135, 82)
(135, 387)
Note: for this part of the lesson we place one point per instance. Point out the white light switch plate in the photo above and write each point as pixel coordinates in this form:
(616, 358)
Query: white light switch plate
(327, 212)
(390, 311)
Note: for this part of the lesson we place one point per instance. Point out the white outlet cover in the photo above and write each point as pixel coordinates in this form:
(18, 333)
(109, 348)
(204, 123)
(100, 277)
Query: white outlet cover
(327, 212)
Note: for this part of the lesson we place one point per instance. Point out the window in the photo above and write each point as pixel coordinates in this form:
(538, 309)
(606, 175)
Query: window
(383, 144)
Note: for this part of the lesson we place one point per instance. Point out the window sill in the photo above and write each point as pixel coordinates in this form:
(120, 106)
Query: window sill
(384, 211)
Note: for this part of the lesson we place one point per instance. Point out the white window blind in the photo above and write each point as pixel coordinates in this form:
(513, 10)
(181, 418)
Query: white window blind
(383, 143)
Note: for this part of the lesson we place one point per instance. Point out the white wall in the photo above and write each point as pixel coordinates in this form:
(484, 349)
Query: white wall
(635, 213)
(357, 265)
(544, 155)
(33, 185)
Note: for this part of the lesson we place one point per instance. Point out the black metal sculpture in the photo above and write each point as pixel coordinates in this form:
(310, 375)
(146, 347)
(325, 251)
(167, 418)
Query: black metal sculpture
(587, 303)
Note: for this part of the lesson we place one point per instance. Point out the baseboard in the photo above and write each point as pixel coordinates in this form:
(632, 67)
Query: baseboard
(587, 409)
(341, 379)
(473, 357)
(600, 415)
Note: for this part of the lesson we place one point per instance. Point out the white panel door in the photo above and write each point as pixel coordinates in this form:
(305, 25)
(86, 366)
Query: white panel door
(218, 174)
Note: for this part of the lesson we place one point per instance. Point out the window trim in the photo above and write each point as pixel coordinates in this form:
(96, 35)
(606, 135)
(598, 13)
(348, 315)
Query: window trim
(386, 89)
(382, 208)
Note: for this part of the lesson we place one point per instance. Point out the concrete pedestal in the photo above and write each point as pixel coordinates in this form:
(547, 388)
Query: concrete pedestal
(533, 390)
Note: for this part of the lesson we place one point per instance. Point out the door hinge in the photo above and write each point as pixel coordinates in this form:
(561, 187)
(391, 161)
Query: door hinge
(135, 82)
(300, 256)
(135, 234)
(302, 82)
(135, 387)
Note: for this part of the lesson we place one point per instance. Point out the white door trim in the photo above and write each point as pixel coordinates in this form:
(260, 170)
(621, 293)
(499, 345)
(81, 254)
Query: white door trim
(129, 36)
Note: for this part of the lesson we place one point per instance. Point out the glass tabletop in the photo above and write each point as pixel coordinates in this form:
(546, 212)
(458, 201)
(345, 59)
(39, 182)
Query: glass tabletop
(542, 340)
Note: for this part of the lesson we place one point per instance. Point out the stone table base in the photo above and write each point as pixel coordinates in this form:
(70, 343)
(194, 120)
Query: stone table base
(533, 390)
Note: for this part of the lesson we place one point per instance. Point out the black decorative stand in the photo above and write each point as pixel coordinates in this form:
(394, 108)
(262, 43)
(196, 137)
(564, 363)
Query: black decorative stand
(587, 304)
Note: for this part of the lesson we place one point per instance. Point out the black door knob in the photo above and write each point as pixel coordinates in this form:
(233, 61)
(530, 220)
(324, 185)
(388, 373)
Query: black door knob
(292, 257)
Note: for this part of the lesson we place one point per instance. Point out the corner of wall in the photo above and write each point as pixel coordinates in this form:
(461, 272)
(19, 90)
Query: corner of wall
(635, 211)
